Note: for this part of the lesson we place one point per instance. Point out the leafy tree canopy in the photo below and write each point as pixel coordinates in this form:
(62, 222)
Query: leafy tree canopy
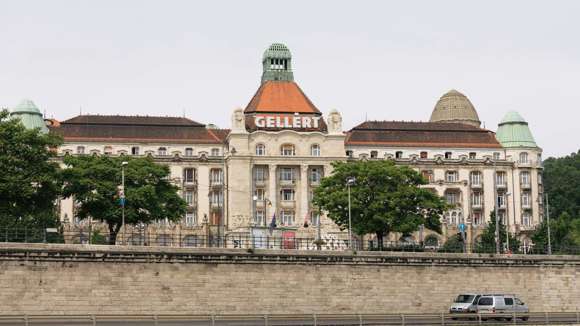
(29, 183)
(562, 183)
(385, 198)
(487, 240)
(94, 183)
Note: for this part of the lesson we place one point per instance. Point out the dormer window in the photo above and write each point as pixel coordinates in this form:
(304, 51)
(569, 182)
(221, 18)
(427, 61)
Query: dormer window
(472, 155)
(80, 150)
(162, 151)
(374, 154)
(135, 150)
(189, 151)
(108, 150)
(398, 154)
(448, 155)
(423, 155)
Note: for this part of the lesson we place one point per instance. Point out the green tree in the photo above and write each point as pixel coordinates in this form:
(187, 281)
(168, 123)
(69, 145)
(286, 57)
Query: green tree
(564, 234)
(562, 183)
(453, 244)
(29, 183)
(487, 240)
(94, 181)
(385, 198)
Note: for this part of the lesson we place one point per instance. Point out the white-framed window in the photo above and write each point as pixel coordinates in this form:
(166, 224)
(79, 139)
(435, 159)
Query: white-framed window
(477, 220)
(216, 176)
(526, 219)
(448, 155)
(260, 173)
(525, 178)
(287, 217)
(374, 154)
(162, 151)
(188, 196)
(135, 150)
(452, 197)
(260, 150)
(539, 158)
(496, 156)
(475, 178)
(215, 152)
(501, 200)
(189, 151)
(451, 176)
(259, 217)
(216, 198)
(314, 218)
(501, 178)
(80, 150)
(526, 199)
(188, 175)
(315, 150)
(287, 174)
(287, 150)
(476, 199)
(472, 155)
(523, 157)
(315, 175)
(260, 193)
(287, 194)
(190, 219)
(108, 150)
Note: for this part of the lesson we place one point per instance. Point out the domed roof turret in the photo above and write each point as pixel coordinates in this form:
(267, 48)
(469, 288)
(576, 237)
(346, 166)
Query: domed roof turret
(30, 115)
(513, 131)
(455, 107)
(277, 63)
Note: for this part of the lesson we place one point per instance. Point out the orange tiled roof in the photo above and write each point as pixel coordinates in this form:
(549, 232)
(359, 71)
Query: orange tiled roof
(280, 97)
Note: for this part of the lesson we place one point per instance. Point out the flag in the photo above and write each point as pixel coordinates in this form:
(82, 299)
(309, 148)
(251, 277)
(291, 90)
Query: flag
(306, 220)
(273, 223)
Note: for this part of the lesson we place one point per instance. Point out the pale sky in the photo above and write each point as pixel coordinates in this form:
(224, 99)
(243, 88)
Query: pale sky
(384, 60)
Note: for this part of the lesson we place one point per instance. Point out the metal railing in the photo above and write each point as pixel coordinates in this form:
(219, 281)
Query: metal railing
(536, 318)
(196, 237)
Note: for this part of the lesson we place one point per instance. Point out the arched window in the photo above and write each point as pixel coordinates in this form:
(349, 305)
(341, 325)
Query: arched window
(523, 157)
(162, 151)
(315, 150)
(287, 150)
(260, 150)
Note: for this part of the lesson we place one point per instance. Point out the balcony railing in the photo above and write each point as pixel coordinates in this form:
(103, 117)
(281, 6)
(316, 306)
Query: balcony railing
(525, 185)
(287, 203)
(286, 182)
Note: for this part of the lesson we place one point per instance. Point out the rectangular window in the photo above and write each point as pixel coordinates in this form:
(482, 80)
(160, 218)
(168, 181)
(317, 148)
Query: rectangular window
(496, 156)
(189, 152)
(287, 150)
(477, 219)
(80, 150)
(189, 175)
(399, 154)
(135, 150)
(448, 155)
(476, 199)
(526, 199)
(475, 178)
(287, 174)
(472, 155)
(287, 217)
(501, 179)
(452, 198)
(451, 176)
(428, 175)
(216, 177)
(190, 219)
(509, 301)
(188, 197)
(162, 151)
(287, 194)
(525, 178)
(215, 152)
(259, 217)
(315, 175)
(216, 198)
(260, 173)
(501, 202)
(423, 155)
(374, 154)
(260, 194)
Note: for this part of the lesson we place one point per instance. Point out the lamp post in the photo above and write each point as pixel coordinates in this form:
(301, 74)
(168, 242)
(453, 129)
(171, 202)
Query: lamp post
(548, 221)
(350, 181)
(122, 197)
(507, 221)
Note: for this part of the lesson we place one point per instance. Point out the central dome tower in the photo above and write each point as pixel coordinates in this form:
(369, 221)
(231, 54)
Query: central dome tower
(455, 107)
(277, 63)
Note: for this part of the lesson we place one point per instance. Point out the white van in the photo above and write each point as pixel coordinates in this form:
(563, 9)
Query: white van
(465, 303)
(501, 306)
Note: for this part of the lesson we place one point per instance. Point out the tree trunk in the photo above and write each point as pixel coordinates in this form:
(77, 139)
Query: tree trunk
(380, 240)
(113, 232)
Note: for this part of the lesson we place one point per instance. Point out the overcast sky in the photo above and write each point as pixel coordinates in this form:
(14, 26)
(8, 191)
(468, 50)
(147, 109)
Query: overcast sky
(383, 60)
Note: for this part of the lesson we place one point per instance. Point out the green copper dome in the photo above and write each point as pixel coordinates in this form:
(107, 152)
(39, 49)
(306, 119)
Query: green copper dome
(513, 131)
(277, 63)
(30, 115)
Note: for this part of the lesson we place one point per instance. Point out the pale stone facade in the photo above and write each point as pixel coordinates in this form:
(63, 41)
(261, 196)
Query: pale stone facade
(280, 146)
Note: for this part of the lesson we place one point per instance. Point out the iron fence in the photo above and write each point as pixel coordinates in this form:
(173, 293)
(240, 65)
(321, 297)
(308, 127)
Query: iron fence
(279, 241)
(536, 318)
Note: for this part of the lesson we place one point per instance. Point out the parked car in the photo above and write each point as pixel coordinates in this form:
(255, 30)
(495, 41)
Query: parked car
(501, 306)
(465, 303)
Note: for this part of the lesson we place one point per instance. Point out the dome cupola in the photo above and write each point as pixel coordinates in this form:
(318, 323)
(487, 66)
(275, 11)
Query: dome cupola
(455, 107)
(277, 63)
(30, 115)
(513, 131)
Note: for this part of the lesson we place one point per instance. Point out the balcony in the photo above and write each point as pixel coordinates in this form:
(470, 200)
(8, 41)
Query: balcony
(501, 185)
(216, 183)
(477, 206)
(315, 182)
(526, 205)
(189, 183)
(260, 182)
(215, 206)
(287, 203)
(476, 185)
(286, 182)
(526, 185)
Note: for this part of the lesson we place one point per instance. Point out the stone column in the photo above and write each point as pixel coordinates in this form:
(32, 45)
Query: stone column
(302, 207)
(203, 191)
(272, 193)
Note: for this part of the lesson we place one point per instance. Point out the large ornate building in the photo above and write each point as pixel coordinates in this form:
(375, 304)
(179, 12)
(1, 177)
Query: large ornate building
(280, 146)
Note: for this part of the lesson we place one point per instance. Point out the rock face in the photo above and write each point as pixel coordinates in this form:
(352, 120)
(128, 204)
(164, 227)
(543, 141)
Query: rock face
(283, 283)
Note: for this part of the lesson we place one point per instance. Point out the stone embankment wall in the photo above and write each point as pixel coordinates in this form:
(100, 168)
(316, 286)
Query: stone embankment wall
(68, 279)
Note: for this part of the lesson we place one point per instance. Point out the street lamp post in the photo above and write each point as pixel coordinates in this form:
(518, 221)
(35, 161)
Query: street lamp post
(548, 221)
(122, 197)
(507, 221)
(349, 182)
